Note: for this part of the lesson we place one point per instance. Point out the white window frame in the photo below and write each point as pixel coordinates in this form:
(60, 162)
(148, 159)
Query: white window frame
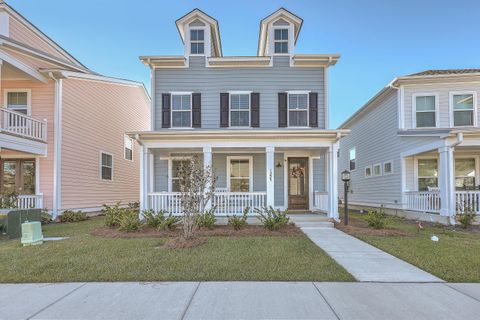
(379, 165)
(452, 111)
(288, 108)
(190, 29)
(125, 147)
(249, 93)
(371, 172)
(437, 109)
(29, 99)
(356, 165)
(417, 171)
(477, 167)
(250, 170)
(282, 41)
(101, 165)
(170, 169)
(172, 111)
(385, 173)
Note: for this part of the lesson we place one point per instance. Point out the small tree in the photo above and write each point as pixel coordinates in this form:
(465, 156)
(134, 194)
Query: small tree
(197, 187)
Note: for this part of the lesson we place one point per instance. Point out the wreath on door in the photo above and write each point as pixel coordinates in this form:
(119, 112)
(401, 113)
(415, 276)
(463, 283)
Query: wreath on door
(297, 172)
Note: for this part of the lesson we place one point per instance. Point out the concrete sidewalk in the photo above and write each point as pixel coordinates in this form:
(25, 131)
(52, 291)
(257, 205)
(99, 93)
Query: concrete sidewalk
(240, 300)
(361, 260)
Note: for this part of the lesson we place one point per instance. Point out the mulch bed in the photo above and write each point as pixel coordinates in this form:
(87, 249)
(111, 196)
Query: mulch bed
(222, 231)
(360, 227)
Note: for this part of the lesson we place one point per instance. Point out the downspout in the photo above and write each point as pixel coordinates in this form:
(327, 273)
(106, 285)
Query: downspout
(57, 146)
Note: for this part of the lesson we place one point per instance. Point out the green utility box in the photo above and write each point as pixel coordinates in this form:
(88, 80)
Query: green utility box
(15, 218)
(32, 233)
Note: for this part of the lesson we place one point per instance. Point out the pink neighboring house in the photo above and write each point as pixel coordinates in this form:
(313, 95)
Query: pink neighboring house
(62, 141)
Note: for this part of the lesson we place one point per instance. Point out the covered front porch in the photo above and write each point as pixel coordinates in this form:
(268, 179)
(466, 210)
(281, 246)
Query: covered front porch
(251, 172)
(444, 181)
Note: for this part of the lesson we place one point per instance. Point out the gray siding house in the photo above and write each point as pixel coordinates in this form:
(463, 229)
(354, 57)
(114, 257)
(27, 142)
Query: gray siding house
(260, 121)
(415, 146)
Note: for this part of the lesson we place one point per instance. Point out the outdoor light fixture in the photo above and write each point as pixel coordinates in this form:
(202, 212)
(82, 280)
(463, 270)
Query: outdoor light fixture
(279, 164)
(346, 183)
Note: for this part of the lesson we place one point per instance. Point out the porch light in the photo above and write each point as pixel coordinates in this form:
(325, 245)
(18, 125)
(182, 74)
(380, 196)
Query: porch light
(279, 164)
(346, 176)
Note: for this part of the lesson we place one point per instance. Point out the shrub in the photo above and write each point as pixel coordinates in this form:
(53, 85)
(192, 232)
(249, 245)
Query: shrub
(238, 222)
(45, 217)
(134, 205)
(377, 219)
(272, 219)
(129, 221)
(152, 218)
(169, 222)
(465, 218)
(8, 200)
(206, 219)
(112, 214)
(72, 216)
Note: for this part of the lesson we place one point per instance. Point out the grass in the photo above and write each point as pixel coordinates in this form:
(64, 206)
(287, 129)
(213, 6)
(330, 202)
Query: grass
(84, 257)
(454, 258)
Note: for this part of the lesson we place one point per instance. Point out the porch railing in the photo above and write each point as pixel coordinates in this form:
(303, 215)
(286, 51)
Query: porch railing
(227, 203)
(320, 200)
(468, 199)
(34, 201)
(425, 201)
(22, 125)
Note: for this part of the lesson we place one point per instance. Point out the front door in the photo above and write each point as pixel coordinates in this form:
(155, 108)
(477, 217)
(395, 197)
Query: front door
(18, 176)
(298, 183)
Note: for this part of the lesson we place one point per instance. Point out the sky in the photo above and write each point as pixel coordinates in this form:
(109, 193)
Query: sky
(377, 39)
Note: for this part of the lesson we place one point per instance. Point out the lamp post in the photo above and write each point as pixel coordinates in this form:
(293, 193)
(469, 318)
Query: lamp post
(346, 183)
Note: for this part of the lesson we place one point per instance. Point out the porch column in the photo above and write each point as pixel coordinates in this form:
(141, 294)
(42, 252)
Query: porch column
(207, 163)
(333, 181)
(144, 180)
(446, 182)
(270, 175)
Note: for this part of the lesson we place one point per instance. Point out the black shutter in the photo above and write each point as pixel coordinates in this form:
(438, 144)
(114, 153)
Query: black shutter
(166, 110)
(224, 109)
(313, 110)
(196, 110)
(282, 109)
(255, 110)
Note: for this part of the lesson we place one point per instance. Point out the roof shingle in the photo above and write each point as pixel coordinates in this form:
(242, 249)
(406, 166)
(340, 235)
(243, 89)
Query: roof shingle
(444, 72)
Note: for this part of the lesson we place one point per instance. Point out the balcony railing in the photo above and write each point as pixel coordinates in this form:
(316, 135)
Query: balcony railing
(227, 203)
(22, 125)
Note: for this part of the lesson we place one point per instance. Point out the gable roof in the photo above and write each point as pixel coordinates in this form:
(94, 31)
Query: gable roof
(281, 13)
(16, 15)
(199, 14)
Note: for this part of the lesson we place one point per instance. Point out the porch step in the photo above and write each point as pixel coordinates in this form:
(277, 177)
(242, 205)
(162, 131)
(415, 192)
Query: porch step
(314, 225)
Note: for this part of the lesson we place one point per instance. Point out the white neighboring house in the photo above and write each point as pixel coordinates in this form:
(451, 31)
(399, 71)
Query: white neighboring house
(261, 121)
(415, 146)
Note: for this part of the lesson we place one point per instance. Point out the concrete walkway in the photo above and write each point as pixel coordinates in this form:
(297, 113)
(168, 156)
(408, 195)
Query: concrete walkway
(363, 261)
(240, 300)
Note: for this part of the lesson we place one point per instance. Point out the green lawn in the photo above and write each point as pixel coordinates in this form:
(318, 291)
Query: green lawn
(454, 258)
(84, 257)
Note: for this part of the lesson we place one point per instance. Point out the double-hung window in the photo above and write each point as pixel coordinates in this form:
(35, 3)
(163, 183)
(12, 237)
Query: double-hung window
(106, 166)
(465, 173)
(425, 108)
(240, 174)
(176, 167)
(128, 148)
(281, 41)
(427, 174)
(298, 109)
(181, 110)
(240, 110)
(463, 106)
(352, 155)
(197, 41)
(17, 100)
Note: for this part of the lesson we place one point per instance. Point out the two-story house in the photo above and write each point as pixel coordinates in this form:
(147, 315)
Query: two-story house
(260, 121)
(62, 141)
(415, 146)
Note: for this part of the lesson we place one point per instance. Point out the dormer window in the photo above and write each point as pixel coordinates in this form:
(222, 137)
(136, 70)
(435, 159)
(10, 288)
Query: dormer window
(281, 41)
(197, 41)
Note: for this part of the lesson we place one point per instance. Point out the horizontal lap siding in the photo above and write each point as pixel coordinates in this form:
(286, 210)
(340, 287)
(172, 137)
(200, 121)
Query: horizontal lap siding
(43, 107)
(268, 81)
(279, 180)
(443, 100)
(319, 174)
(375, 137)
(95, 117)
(259, 169)
(160, 174)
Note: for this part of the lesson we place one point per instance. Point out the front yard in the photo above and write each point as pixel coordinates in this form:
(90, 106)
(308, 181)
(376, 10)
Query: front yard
(454, 258)
(84, 257)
